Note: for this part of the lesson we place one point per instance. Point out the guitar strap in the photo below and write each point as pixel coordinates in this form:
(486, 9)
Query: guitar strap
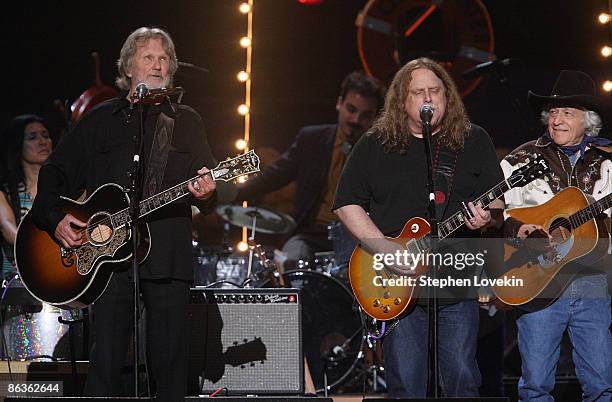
(445, 161)
(162, 140)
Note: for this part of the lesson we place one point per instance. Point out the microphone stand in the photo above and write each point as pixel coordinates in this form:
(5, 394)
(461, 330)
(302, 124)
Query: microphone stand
(432, 299)
(135, 192)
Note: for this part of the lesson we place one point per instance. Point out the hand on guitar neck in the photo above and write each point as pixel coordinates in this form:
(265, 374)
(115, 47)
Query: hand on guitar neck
(203, 187)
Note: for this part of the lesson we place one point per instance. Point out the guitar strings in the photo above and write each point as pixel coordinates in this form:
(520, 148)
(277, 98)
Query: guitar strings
(108, 221)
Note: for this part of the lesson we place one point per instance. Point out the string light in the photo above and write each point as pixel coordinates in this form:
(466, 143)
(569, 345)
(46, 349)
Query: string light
(606, 50)
(241, 144)
(246, 42)
(244, 8)
(243, 110)
(242, 76)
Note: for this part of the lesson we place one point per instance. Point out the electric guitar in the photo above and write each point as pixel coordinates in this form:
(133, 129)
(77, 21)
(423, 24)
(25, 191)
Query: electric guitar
(75, 278)
(384, 301)
(570, 217)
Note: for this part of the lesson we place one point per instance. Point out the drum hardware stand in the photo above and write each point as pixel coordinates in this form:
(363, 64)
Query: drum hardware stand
(5, 351)
(251, 239)
(336, 354)
(371, 342)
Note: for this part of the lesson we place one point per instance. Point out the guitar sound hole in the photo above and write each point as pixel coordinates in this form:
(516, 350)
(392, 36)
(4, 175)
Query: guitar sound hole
(561, 230)
(99, 230)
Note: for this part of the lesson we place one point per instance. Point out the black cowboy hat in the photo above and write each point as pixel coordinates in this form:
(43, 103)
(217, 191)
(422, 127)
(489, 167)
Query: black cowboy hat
(573, 89)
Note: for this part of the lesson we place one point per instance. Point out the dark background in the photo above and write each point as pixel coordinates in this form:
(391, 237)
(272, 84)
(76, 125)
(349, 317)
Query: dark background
(300, 55)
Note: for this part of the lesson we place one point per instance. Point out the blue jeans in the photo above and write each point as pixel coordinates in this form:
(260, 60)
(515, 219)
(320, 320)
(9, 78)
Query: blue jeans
(405, 353)
(584, 310)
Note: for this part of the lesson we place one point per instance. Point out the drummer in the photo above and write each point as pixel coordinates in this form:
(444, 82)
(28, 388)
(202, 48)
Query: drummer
(314, 161)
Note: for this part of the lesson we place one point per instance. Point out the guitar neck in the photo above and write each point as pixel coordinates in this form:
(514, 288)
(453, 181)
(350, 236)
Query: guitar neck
(227, 170)
(156, 202)
(586, 214)
(457, 220)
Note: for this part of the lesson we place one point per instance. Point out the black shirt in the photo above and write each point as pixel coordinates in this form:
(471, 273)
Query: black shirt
(100, 150)
(392, 188)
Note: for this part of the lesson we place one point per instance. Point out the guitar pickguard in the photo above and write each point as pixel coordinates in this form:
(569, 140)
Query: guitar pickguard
(560, 251)
(89, 254)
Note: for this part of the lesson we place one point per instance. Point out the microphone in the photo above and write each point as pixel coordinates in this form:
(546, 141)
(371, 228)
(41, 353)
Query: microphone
(338, 351)
(336, 354)
(141, 91)
(488, 66)
(426, 113)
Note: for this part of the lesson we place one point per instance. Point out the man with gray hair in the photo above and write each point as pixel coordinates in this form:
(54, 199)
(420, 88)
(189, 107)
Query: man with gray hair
(99, 150)
(579, 157)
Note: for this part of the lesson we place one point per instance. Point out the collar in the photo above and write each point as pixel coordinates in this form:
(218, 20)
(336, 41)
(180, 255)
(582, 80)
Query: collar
(587, 142)
(165, 107)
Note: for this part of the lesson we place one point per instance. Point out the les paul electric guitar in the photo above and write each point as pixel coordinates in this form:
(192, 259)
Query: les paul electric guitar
(75, 278)
(570, 217)
(370, 286)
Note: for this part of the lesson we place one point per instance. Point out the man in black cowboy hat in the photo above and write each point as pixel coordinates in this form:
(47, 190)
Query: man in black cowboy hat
(577, 156)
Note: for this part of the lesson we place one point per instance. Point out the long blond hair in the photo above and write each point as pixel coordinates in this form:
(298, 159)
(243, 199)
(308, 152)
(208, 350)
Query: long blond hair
(392, 125)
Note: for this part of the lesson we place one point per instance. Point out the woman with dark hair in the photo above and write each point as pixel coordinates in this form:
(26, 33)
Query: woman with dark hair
(28, 146)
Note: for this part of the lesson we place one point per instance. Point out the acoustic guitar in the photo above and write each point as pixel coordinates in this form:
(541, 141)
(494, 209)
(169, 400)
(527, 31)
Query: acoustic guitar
(75, 278)
(570, 217)
(374, 288)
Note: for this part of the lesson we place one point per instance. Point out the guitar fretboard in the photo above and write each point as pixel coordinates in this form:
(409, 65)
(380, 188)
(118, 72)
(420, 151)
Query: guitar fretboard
(457, 220)
(586, 214)
(153, 203)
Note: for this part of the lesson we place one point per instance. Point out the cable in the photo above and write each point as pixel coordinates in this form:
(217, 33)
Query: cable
(219, 390)
(6, 285)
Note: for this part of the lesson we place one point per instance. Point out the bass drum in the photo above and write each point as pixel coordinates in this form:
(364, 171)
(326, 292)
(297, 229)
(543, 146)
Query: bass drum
(330, 323)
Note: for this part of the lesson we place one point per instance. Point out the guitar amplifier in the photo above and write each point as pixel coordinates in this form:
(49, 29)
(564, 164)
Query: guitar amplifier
(247, 341)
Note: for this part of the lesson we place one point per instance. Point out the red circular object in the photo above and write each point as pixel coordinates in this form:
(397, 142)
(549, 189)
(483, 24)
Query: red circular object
(440, 197)
(457, 34)
(310, 2)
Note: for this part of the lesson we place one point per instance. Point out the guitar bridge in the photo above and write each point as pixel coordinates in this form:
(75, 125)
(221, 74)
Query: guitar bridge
(67, 256)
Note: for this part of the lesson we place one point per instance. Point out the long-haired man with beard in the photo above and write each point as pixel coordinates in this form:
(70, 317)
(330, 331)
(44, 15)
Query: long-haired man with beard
(384, 183)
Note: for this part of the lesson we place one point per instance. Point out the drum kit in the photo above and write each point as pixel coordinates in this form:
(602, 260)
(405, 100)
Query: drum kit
(32, 330)
(333, 330)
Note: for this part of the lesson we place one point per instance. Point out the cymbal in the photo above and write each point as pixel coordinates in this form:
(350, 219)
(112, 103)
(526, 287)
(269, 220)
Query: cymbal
(268, 221)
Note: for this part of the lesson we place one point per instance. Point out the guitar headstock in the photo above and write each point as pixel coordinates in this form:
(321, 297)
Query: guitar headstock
(535, 168)
(235, 167)
(247, 352)
(259, 252)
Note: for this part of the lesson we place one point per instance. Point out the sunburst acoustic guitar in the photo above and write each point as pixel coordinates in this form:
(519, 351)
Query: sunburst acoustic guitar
(75, 278)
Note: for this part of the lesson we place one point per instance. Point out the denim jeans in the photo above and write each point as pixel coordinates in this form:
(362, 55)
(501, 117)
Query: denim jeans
(405, 353)
(584, 310)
